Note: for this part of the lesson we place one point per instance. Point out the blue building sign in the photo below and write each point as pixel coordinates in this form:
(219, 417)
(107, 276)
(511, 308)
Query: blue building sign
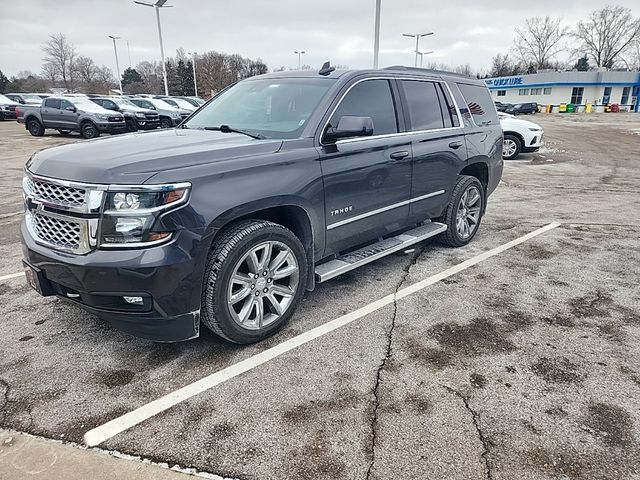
(503, 82)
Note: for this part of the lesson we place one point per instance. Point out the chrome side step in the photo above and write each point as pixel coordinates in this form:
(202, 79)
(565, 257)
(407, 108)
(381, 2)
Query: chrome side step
(357, 258)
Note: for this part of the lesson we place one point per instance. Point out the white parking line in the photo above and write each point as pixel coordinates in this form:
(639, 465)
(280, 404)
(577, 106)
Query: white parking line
(118, 425)
(11, 275)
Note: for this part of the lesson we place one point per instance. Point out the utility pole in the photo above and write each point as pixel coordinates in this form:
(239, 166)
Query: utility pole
(158, 5)
(129, 52)
(417, 37)
(195, 82)
(301, 52)
(376, 37)
(115, 49)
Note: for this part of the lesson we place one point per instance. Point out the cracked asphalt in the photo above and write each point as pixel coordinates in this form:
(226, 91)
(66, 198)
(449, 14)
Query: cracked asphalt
(524, 366)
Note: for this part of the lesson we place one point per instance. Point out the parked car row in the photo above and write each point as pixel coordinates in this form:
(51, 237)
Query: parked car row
(517, 108)
(91, 115)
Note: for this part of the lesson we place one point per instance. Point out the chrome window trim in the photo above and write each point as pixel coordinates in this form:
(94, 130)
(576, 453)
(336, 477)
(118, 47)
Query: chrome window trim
(398, 134)
(383, 209)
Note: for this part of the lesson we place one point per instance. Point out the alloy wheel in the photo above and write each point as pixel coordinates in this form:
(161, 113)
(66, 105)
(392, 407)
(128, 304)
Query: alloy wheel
(509, 147)
(263, 285)
(468, 213)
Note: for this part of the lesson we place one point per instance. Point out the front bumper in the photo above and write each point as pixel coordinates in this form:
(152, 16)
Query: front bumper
(9, 115)
(147, 124)
(112, 127)
(533, 142)
(168, 277)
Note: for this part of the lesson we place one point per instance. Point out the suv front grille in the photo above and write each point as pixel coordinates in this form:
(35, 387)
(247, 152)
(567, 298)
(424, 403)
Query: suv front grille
(152, 116)
(55, 193)
(65, 234)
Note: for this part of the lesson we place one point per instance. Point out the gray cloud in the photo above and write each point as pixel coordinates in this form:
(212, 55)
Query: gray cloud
(337, 30)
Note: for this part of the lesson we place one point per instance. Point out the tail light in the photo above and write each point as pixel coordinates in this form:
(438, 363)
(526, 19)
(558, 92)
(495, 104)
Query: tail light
(17, 111)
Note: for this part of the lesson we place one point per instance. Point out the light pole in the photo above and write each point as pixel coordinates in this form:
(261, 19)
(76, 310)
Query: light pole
(129, 52)
(158, 5)
(422, 54)
(115, 49)
(195, 82)
(376, 36)
(417, 37)
(301, 52)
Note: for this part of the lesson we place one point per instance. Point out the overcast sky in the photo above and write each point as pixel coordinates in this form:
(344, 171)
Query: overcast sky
(341, 31)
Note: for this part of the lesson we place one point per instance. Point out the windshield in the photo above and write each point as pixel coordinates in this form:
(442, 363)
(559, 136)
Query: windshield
(162, 105)
(273, 107)
(123, 101)
(32, 98)
(6, 100)
(183, 104)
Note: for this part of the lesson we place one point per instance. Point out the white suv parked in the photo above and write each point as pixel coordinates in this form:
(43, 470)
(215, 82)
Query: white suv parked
(520, 136)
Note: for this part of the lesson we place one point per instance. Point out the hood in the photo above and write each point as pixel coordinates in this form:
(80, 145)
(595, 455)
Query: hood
(91, 107)
(134, 108)
(134, 158)
(514, 122)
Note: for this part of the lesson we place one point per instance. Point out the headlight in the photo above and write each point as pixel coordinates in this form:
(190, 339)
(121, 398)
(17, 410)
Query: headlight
(534, 129)
(102, 117)
(131, 213)
(140, 114)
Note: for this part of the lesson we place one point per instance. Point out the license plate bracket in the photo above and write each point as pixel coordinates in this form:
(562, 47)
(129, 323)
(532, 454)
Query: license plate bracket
(37, 280)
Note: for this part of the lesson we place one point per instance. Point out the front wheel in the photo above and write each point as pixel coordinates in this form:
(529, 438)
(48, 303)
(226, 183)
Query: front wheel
(255, 278)
(463, 213)
(165, 122)
(132, 125)
(89, 130)
(511, 147)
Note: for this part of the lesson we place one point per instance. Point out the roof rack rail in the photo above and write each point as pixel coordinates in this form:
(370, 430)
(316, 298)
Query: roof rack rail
(428, 70)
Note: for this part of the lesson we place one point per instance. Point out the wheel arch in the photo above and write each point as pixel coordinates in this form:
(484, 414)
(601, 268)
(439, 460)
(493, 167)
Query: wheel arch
(515, 134)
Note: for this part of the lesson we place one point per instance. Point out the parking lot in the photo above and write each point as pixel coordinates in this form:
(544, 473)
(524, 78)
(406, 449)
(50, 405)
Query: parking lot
(521, 364)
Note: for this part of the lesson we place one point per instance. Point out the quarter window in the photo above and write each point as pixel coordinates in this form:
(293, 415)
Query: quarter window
(371, 98)
(576, 95)
(480, 104)
(423, 105)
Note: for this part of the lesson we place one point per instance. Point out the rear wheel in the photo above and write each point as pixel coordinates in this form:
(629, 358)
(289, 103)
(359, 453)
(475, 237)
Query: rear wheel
(511, 147)
(89, 130)
(254, 280)
(35, 128)
(165, 122)
(464, 212)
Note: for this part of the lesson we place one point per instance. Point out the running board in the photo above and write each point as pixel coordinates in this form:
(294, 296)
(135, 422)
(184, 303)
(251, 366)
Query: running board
(357, 258)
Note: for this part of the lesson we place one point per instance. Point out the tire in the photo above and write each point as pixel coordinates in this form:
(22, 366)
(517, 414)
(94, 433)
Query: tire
(230, 257)
(165, 122)
(511, 147)
(1, 116)
(452, 237)
(35, 127)
(89, 130)
(132, 125)
(64, 133)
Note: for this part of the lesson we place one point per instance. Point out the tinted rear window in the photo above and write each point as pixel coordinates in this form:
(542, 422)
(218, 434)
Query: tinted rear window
(423, 103)
(479, 103)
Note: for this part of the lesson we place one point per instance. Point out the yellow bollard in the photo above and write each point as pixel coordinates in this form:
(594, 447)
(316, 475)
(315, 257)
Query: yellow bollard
(588, 108)
(563, 108)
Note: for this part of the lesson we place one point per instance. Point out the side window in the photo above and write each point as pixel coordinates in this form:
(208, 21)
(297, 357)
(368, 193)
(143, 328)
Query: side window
(64, 104)
(448, 107)
(371, 98)
(146, 104)
(480, 104)
(109, 105)
(423, 105)
(52, 103)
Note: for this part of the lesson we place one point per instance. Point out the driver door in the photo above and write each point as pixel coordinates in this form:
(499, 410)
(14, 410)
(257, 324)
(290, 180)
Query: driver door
(367, 179)
(67, 115)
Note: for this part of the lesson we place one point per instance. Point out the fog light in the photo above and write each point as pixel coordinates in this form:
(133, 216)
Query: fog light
(133, 300)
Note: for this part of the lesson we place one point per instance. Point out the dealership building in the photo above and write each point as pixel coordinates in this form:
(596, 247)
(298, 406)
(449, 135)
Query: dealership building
(580, 88)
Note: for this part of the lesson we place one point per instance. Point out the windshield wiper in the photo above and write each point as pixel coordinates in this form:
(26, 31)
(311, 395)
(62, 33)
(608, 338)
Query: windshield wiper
(228, 129)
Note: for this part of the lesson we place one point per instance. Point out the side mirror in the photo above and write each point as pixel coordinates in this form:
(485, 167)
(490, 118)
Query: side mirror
(71, 109)
(350, 126)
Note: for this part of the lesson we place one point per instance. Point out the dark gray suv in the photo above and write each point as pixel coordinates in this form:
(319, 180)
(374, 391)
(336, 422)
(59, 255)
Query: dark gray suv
(279, 182)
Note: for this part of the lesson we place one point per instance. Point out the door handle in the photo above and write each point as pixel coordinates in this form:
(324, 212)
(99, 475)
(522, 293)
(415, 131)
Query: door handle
(455, 145)
(399, 155)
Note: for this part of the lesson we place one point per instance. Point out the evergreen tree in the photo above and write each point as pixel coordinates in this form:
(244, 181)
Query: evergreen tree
(129, 76)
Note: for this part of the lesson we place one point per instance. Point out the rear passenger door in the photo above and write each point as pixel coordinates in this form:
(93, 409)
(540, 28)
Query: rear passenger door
(367, 179)
(49, 112)
(437, 142)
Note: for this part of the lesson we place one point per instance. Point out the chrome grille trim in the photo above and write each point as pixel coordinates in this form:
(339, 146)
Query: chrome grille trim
(62, 194)
(59, 232)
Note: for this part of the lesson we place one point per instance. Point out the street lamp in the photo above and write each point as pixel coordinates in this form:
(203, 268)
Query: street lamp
(417, 37)
(195, 82)
(302, 52)
(376, 36)
(129, 52)
(422, 54)
(115, 49)
(158, 5)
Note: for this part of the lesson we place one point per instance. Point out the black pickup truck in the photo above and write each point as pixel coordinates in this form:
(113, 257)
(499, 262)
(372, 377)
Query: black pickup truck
(281, 181)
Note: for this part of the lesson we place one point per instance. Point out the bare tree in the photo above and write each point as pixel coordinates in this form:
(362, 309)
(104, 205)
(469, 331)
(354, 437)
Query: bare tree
(85, 69)
(60, 58)
(607, 34)
(501, 66)
(539, 41)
